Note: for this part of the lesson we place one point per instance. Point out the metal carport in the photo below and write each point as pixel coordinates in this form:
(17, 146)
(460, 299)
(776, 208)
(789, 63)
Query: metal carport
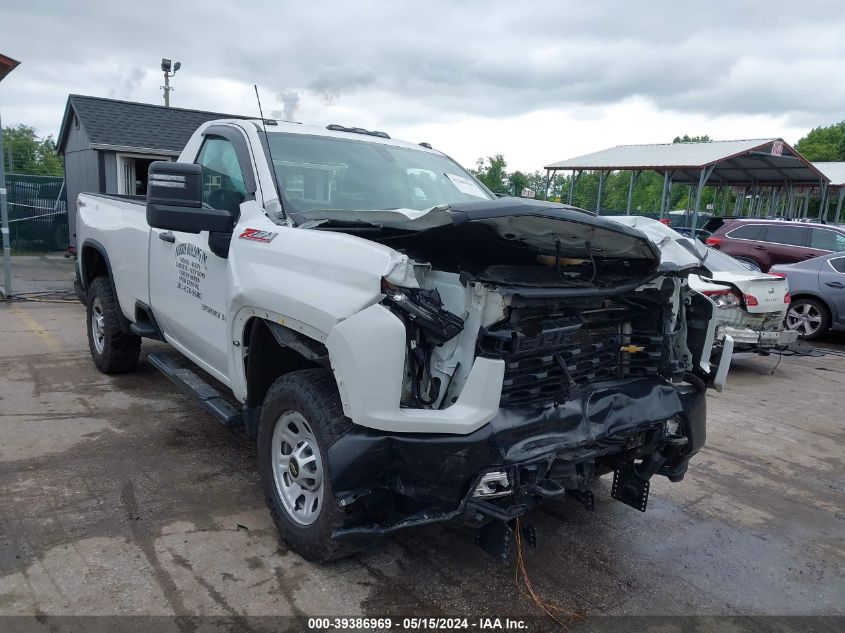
(835, 172)
(752, 164)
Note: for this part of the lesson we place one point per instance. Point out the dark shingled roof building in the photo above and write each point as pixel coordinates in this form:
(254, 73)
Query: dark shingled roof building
(108, 144)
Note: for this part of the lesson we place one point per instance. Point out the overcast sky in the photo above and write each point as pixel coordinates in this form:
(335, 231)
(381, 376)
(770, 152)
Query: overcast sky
(535, 81)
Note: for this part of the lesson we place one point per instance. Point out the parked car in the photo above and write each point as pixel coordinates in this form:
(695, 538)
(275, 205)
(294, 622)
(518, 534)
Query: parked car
(766, 243)
(751, 305)
(818, 295)
(403, 346)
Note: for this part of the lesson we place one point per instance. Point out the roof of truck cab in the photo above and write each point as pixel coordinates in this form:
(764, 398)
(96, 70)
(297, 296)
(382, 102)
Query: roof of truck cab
(292, 127)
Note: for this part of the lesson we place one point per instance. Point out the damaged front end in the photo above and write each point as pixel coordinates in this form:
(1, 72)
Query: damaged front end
(540, 348)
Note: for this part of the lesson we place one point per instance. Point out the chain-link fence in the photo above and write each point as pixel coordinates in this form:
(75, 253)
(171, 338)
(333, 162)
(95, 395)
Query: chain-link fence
(37, 213)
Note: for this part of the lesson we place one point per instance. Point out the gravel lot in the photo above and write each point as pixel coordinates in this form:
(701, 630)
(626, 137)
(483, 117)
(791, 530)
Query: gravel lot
(120, 497)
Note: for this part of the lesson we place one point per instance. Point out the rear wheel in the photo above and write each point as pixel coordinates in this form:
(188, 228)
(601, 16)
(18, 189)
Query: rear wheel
(301, 418)
(112, 350)
(808, 317)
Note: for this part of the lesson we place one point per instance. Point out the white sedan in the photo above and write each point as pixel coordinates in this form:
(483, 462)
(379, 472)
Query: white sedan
(752, 305)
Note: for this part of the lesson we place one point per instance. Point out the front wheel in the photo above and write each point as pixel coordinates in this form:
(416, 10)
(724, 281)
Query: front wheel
(112, 350)
(301, 418)
(808, 317)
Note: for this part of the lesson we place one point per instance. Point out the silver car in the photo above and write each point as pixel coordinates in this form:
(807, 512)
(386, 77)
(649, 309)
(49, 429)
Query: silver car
(817, 287)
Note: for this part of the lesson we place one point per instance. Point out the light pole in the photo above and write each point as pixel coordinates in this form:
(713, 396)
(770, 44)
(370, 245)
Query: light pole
(7, 65)
(166, 67)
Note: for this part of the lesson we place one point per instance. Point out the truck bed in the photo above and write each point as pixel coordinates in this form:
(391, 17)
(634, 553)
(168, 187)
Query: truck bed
(114, 224)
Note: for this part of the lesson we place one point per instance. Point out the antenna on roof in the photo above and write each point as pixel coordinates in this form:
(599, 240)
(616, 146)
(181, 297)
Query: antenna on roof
(270, 154)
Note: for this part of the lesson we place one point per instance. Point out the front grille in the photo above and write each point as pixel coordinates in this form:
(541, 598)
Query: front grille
(546, 359)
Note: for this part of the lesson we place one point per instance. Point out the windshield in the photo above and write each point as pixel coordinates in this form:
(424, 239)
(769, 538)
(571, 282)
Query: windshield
(325, 173)
(719, 262)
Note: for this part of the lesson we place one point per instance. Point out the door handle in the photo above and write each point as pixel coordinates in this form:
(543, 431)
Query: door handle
(835, 284)
(760, 248)
(809, 255)
(167, 237)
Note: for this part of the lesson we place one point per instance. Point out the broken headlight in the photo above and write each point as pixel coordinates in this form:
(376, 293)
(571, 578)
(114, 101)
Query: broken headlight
(427, 325)
(424, 309)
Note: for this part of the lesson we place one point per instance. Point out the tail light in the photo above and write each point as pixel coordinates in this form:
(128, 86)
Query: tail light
(751, 300)
(666, 221)
(714, 241)
(723, 298)
(781, 275)
(787, 299)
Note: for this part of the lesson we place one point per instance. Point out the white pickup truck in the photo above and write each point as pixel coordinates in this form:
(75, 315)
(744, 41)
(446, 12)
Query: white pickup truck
(404, 346)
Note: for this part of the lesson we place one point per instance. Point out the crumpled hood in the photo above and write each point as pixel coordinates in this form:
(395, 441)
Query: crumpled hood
(534, 223)
(676, 251)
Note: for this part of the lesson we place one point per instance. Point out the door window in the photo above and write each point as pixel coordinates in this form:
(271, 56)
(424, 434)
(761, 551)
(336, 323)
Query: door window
(827, 240)
(222, 179)
(790, 235)
(747, 232)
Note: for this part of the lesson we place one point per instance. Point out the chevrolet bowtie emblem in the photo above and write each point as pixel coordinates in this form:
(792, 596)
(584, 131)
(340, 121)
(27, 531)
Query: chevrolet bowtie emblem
(631, 349)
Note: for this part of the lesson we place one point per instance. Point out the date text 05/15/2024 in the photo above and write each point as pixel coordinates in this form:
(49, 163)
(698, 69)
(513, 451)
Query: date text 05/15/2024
(417, 623)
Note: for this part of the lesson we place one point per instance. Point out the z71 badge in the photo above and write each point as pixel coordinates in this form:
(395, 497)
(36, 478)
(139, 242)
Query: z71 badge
(257, 235)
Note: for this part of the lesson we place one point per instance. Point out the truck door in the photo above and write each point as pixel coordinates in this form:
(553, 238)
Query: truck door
(189, 285)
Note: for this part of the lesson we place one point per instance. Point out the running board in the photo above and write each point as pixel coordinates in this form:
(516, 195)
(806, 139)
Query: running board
(192, 385)
(145, 329)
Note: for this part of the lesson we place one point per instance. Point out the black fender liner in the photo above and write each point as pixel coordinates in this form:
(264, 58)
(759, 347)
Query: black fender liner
(274, 350)
(86, 276)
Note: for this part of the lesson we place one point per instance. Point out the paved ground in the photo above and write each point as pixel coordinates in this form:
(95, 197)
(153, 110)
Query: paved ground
(118, 496)
(49, 272)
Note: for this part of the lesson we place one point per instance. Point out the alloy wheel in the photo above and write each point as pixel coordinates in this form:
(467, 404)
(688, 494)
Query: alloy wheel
(804, 318)
(98, 325)
(297, 467)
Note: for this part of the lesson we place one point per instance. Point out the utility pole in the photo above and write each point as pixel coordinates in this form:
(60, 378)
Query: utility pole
(166, 67)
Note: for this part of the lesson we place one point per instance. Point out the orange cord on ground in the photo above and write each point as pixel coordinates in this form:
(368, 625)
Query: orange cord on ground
(527, 589)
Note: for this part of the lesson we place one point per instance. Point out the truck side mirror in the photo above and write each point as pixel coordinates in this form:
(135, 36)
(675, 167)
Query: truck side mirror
(174, 200)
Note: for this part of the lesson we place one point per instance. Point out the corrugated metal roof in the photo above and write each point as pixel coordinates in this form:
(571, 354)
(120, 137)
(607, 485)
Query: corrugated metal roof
(834, 171)
(142, 126)
(665, 155)
(743, 162)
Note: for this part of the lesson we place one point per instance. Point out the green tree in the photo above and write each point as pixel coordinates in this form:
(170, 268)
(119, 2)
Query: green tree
(686, 138)
(537, 181)
(27, 153)
(824, 143)
(519, 181)
(492, 173)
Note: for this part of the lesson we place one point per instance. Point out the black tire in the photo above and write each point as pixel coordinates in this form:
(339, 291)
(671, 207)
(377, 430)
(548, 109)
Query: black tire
(115, 351)
(810, 305)
(313, 394)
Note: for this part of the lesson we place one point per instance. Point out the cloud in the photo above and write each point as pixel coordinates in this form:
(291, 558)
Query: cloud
(420, 66)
